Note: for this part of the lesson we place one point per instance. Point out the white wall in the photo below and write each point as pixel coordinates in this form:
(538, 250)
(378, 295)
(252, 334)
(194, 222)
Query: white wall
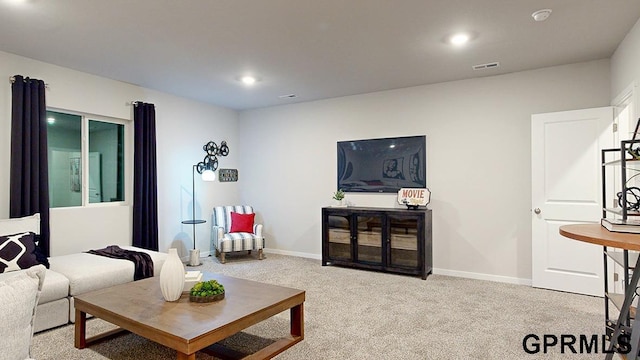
(478, 156)
(625, 62)
(478, 160)
(183, 126)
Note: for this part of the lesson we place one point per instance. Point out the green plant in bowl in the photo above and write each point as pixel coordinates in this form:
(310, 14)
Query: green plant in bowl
(206, 291)
(338, 195)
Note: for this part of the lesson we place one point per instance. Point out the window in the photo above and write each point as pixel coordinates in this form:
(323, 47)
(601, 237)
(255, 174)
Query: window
(77, 142)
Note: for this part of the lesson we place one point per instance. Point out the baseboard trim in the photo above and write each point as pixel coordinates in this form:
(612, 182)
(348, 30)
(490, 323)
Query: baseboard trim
(268, 251)
(203, 254)
(455, 273)
(480, 276)
(293, 253)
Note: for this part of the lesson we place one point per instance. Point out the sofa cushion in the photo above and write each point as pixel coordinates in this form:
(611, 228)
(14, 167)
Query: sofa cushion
(51, 314)
(17, 251)
(19, 296)
(240, 241)
(56, 286)
(18, 225)
(87, 272)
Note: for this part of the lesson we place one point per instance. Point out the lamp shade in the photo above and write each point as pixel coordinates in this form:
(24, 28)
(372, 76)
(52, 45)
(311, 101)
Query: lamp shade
(208, 175)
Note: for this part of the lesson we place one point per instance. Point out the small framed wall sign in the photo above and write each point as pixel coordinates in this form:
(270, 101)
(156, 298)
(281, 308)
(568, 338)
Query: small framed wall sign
(227, 175)
(414, 197)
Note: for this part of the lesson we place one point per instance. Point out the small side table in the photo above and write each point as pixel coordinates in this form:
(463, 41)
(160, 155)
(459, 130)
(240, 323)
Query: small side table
(596, 234)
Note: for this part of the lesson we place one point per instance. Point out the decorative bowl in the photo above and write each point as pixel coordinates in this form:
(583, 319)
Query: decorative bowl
(206, 299)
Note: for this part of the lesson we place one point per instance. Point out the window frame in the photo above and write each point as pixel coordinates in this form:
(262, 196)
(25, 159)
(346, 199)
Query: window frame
(84, 158)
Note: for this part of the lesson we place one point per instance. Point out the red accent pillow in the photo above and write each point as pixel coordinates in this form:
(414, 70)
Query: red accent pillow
(241, 222)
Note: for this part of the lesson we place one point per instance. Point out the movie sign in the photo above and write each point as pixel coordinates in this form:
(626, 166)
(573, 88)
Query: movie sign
(414, 197)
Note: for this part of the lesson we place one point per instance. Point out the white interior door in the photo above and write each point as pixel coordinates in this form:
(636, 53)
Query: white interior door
(566, 188)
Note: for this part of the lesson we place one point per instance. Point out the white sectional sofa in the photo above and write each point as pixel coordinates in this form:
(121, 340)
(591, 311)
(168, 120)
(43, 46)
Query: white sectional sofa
(82, 273)
(74, 274)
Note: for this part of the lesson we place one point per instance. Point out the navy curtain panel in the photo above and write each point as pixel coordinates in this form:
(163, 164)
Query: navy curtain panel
(29, 176)
(145, 184)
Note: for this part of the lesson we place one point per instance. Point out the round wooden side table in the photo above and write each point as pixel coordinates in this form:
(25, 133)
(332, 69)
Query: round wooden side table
(596, 234)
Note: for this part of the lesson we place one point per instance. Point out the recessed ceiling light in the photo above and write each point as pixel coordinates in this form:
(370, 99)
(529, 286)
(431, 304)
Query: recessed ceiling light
(248, 80)
(459, 39)
(541, 15)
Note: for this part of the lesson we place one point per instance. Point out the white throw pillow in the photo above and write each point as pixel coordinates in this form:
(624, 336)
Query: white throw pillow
(19, 225)
(19, 296)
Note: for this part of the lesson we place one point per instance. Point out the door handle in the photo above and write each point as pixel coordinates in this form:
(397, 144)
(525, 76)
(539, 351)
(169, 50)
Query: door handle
(537, 211)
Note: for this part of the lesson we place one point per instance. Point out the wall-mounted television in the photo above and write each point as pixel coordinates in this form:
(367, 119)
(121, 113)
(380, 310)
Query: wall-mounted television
(382, 165)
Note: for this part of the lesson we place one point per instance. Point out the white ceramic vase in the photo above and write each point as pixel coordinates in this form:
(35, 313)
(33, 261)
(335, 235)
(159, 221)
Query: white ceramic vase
(172, 276)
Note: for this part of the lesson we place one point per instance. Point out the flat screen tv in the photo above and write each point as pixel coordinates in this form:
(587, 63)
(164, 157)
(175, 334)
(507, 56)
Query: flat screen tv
(382, 165)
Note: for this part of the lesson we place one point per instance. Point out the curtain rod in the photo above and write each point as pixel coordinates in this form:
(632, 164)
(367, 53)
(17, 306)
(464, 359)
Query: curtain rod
(13, 79)
(136, 102)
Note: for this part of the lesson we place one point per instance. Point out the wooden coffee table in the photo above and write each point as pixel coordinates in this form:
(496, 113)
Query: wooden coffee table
(187, 327)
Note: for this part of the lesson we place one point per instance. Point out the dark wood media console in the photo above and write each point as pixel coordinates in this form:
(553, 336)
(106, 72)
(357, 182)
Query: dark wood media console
(383, 239)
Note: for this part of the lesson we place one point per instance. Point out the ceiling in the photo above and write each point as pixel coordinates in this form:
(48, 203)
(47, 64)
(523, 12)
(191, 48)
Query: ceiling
(315, 49)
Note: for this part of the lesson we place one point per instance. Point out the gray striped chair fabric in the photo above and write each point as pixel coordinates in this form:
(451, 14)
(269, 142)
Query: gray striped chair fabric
(222, 241)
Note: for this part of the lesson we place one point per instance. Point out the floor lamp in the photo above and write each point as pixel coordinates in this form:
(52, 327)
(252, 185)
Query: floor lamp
(206, 168)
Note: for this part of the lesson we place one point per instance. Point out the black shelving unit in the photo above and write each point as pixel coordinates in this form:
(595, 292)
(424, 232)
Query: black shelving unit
(618, 207)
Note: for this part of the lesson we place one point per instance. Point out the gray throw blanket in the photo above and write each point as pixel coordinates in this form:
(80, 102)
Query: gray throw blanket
(141, 261)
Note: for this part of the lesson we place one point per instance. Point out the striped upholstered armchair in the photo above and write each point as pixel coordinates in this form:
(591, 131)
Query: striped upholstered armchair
(234, 229)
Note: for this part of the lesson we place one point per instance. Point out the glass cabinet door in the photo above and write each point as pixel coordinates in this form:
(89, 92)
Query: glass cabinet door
(369, 238)
(339, 237)
(403, 239)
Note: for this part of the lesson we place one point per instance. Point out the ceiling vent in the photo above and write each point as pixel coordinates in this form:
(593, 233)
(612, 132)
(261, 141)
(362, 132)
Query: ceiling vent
(490, 65)
(288, 96)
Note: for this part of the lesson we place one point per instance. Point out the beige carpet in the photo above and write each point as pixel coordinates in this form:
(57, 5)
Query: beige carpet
(356, 314)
